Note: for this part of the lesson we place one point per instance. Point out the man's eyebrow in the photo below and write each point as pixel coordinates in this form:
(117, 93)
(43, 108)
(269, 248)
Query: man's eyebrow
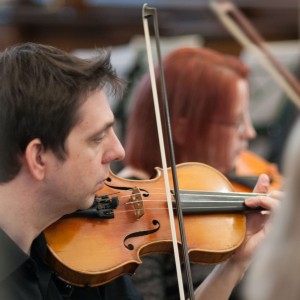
(108, 125)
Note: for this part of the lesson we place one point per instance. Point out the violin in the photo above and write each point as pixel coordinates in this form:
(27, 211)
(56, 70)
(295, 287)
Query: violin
(129, 220)
(248, 167)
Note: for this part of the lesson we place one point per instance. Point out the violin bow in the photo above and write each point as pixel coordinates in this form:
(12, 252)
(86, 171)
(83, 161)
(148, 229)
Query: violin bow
(237, 24)
(149, 12)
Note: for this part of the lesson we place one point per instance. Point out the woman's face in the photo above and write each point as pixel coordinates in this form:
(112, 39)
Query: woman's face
(239, 132)
(244, 130)
(227, 139)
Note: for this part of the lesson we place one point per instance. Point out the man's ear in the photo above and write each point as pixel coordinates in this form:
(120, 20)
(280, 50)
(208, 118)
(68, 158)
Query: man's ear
(35, 156)
(179, 129)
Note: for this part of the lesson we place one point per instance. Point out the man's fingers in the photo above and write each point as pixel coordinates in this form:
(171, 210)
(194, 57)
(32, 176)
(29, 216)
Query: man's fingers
(267, 202)
(262, 185)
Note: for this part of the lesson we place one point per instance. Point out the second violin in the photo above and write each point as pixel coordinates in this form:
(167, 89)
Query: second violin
(248, 167)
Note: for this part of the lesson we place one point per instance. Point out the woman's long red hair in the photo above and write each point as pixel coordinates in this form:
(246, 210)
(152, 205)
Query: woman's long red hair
(201, 87)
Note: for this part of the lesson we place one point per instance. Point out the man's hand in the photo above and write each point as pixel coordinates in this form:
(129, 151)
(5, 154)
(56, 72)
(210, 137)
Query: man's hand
(257, 221)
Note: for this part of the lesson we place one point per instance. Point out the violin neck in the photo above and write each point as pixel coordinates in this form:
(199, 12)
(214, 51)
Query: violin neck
(195, 202)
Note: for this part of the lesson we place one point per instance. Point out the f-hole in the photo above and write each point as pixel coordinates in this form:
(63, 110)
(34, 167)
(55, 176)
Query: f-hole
(140, 233)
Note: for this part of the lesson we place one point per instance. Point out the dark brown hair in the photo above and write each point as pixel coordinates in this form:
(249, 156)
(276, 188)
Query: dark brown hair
(41, 91)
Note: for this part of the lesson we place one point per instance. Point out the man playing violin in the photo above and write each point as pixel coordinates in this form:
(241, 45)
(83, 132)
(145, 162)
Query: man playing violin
(57, 142)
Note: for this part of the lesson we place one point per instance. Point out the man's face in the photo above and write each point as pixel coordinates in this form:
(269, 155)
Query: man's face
(91, 146)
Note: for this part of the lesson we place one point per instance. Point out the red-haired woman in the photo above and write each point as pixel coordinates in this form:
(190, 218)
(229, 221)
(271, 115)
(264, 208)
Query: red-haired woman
(208, 101)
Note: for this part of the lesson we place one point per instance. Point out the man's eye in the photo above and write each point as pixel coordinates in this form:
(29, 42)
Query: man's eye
(98, 139)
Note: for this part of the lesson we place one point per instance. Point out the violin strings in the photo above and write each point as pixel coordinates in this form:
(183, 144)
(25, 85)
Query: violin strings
(197, 195)
(164, 200)
(184, 192)
(200, 195)
(165, 208)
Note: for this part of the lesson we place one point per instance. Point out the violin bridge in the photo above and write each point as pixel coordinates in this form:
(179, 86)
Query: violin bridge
(137, 202)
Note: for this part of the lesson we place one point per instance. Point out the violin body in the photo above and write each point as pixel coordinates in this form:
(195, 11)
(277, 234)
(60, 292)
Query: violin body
(248, 167)
(90, 251)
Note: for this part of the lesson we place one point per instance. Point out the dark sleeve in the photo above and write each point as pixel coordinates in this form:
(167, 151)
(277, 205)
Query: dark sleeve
(149, 277)
(121, 289)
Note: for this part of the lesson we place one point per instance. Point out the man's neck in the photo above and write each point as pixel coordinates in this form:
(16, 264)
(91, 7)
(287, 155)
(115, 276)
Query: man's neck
(15, 226)
(19, 218)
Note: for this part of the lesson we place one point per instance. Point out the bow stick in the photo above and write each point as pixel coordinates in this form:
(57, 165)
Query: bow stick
(147, 13)
(237, 24)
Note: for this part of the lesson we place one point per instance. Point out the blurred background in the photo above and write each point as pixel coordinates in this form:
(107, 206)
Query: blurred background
(80, 26)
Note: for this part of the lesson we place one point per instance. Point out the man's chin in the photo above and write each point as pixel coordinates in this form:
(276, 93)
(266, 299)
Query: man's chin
(88, 203)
